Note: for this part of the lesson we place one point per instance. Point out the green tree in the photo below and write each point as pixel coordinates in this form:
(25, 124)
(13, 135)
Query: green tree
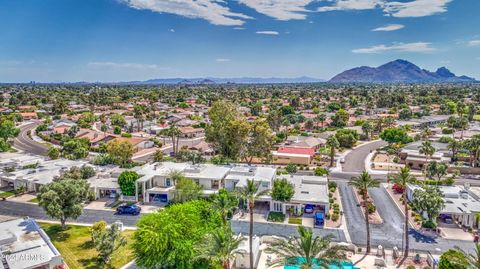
(220, 247)
(436, 170)
(333, 144)
(402, 179)
(395, 135)
(308, 250)
(63, 198)
(7, 132)
(158, 156)
(405, 114)
(429, 201)
(186, 190)
(118, 120)
(127, 181)
(167, 239)
(428, 150)
(340, 119)
(107, 241)
(364, 182)
(224, 202)
(76, 148)
(53, 153)
(453, 259)
(346, 137)
(259, 142)
(282, 190)
(121, 150)
(228, 132)
(367, 129)
(454, 145)
(249, 193)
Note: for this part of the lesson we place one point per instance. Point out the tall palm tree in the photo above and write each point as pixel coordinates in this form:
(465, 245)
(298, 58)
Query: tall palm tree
(225, 203)
(367, 129)
(249, 193)
(333, 144)
(308, 250)
(428, 150)
(363, 182)
(402, 179)
(454, 145)
(220, 247)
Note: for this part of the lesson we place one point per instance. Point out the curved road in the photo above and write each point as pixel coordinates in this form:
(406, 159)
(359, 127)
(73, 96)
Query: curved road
(24, 143)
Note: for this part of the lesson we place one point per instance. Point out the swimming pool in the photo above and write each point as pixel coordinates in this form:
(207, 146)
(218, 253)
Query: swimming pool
(344, 265)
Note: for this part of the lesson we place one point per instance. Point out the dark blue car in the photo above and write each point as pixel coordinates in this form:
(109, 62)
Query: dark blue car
(128, 209)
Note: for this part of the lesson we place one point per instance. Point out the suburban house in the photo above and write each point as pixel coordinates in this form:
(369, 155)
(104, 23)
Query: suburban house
(24, 245)
(191, 132)
(411, 156)
(309, 190)
(28, 115)
(293, 155)
(304, 142)
(32, 178)
(424, 121)
(461, 205)
(95, 137)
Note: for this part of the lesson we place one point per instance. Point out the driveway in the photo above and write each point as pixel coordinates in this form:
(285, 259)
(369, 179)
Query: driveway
(355, 160)
(25, 143)
(388, 234)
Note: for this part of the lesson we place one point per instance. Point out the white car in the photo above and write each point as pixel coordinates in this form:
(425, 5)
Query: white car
(342, 160)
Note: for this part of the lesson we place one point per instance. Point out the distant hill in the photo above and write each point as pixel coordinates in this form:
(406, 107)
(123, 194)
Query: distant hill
(211, 80)
(398, 71)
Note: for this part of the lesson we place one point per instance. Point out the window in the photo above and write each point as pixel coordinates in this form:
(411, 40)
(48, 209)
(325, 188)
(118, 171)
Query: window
(265, 184)
(168, 182)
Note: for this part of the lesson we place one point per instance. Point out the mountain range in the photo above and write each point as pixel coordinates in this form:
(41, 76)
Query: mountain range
(398, 71)
(213, 80)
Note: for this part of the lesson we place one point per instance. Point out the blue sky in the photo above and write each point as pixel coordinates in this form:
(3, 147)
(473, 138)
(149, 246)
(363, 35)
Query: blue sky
(122, 40)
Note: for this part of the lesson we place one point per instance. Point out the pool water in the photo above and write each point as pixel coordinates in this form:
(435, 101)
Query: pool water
(344, 265)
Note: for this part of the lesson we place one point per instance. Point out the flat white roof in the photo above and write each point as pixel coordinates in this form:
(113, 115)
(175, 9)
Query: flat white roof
(26, 244)
(309, 189)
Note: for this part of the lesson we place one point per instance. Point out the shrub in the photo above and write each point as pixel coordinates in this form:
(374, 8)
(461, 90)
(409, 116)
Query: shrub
(370, 207)
(411, 267)
(332, 184)
(126, 135)
(320, 171)
(291, 168)
(398, 189)
(276, 217)
(335, 217)
(447, 131)
(429, 224)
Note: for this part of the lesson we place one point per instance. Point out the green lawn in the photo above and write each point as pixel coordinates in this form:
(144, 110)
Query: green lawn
(476, 117)
(77, 249)
(34, 200)
(295, 220)
(6, 194)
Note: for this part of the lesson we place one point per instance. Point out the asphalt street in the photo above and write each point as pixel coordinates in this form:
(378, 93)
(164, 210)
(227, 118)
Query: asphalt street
(24, 143)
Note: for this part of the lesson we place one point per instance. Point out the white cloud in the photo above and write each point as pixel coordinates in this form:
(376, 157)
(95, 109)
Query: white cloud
(267, 32)
(416, 8)
(474, 43)
(280, 9)
(136, 66)
(422, 47)
(214, 11)
(239, 28)
(222, 60)
(171, 30)
(389, 27)
(412, 8)
(351, 5)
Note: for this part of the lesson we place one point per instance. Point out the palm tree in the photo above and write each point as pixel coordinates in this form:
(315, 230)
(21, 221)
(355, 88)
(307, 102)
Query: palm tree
(321, 118)
(454, 145)
(402, 179)
(225, 203)
(428, 150)
(311, 251)
(220, 247)
(249, 193)
(174, 134)
(363, 182)
(333, 144)
(471, 261)
(367, 129)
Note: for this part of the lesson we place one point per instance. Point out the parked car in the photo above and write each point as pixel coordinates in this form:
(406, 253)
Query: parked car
(128, 210)
(309, 209)
(342, 160)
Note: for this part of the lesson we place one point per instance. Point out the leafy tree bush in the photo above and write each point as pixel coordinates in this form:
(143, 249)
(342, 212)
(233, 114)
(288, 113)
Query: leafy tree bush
(452, 259)
(347, 138)
(121, 150)
(127, 181)
(291, 168)
(63, 198)
(107, 241)
(167, 239)
(395, 135)
(53, 153)
(282, 190)
(320, 171)
(76, 148)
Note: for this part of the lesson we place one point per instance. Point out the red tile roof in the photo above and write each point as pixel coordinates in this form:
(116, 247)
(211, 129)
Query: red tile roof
(305, 151)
